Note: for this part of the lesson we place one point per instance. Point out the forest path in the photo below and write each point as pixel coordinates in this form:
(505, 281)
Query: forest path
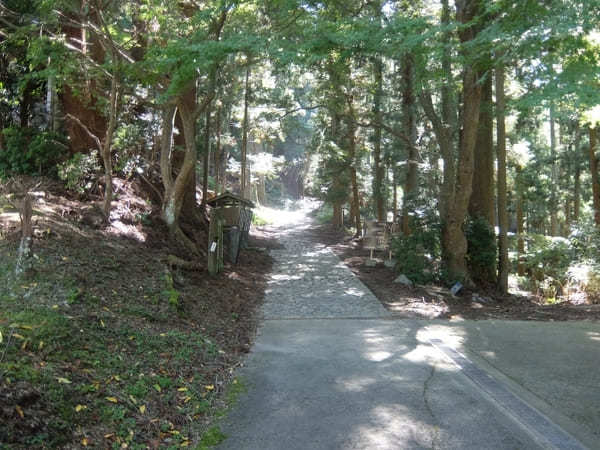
(331, 369)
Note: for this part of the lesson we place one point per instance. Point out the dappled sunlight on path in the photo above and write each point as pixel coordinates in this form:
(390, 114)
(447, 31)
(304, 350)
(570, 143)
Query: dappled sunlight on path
(309, 280)
(295, 213)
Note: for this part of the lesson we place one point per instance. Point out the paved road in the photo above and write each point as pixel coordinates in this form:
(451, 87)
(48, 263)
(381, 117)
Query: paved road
(331, 370)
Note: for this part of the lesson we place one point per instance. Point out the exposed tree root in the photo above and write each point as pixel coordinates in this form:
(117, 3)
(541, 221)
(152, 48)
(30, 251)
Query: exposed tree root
(174, 261)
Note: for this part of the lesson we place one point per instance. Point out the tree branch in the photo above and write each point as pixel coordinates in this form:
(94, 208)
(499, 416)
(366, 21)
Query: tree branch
(86, 129)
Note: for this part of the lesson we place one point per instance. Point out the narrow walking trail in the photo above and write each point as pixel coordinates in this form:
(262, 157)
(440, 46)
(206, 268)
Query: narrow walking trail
(330, 369)
(309, 281)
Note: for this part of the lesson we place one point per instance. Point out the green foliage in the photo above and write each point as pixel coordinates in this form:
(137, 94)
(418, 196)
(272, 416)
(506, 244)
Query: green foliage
(80, 171)
(212, 437)
(170, 293)
(548, 257)
(550, 262)
(418, 254)
(29, 151)
(592, 286)
(127, 145)
(258, 220)
(323, 214)
(481, 251)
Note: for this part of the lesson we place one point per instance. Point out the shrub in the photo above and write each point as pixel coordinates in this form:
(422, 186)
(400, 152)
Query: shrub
(127, 147)
(584, 278)
(481, 251)
(549, 257)
(28, 151)
(80, 171)
(417, 255)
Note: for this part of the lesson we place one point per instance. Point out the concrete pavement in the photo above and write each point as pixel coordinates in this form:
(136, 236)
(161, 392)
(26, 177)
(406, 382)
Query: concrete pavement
(376, 384)
(331, 369)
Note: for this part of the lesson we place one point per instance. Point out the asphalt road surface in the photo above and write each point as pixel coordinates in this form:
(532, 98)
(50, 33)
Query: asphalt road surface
(331, 369)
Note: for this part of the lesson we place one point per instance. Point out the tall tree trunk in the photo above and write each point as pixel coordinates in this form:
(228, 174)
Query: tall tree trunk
(593, 133)
(206, 157)
(337, 220)
(52, 123)
(554, 184)
(166, 147)
(378, 168)
(175, 191)
(520, 227)
(395, 193)
(107, 146)
(243, 181)
(25, 104)
(410, 131)
(481, 203)
(355, 204)
(454, 241)
(448, 123)
(577, 192)
(503, 261)
(218, 155)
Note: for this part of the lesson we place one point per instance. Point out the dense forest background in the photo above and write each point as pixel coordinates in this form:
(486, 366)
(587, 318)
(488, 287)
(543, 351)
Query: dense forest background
(472, 123)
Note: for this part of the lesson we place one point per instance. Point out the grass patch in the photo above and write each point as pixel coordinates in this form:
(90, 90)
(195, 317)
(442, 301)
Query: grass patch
(103, 345)
(212, 437)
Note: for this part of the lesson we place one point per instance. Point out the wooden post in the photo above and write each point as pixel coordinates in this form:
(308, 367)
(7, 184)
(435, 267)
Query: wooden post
(215, 241)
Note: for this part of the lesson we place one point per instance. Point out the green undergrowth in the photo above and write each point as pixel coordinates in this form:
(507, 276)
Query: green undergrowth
(106, 377)
(87, 363)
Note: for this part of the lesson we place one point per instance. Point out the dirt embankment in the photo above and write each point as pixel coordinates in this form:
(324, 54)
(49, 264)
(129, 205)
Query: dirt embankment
(103, 343)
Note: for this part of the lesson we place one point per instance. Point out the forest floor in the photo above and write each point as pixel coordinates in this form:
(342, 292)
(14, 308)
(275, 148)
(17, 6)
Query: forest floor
(436, 302)
(102, 343)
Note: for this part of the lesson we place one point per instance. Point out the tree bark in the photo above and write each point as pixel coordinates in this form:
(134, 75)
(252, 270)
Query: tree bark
(447, 125)
(454, 242)
(176, 189)
(337, 220)
(410, 130)
(355, 204)
(520, 227)
(593, 133)
(503, 261)
(218, 155)
(378, 169)
(481, 203)
(577, 192)
(166, 147)
(25, 207)
(52, 122)
(243, 175)
(25, 104)
(206, 157)
(395, 193)
(554, 185)
(107, 146)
